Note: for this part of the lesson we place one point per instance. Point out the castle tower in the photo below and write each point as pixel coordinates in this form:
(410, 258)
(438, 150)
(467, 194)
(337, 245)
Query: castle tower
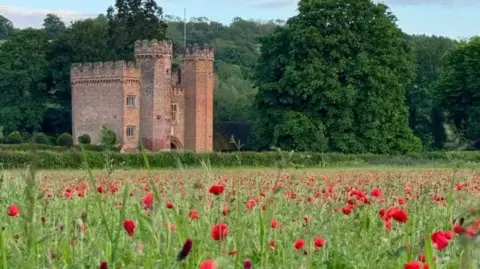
(155, 61)
(197, 81)
(106, 94)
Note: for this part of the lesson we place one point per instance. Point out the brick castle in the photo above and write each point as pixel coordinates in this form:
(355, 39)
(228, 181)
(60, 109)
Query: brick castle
(145, 101)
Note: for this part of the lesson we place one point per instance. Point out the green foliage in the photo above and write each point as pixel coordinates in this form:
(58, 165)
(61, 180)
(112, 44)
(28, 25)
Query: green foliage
(14, 138)
(6, 28)
(425, 115)
(108, 138)
(74, 160)
(84, 139)
(296, 131)
(41, 138)
(132, 20)
(53, 25)
(65, 140)
(350, 77)
(459, 88)
(23, 81)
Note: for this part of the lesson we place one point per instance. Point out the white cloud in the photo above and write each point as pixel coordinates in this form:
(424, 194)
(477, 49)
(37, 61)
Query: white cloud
(22, 18)
(284, 3)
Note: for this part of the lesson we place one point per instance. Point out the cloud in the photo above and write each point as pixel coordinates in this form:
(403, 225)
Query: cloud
(22, 18)
(273, 3)
(284, 3)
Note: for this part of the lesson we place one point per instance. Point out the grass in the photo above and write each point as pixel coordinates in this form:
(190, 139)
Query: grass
(64, 222)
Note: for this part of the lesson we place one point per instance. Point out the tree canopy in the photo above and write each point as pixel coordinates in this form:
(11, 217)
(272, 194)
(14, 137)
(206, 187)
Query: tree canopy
(342, 67)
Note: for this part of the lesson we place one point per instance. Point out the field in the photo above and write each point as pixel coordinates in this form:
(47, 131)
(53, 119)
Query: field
(306, 218)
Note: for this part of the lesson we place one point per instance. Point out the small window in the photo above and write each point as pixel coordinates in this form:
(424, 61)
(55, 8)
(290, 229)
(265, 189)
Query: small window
(174, 113)
(130, 131)
(131, 100)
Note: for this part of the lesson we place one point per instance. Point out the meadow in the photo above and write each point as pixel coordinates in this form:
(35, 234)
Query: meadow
(241, 218)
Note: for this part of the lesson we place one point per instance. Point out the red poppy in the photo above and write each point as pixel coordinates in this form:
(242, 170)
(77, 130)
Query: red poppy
(148, 200)
(169, 205)
(347, 210)
(219, 231)
(299, 243)
(415, 265)
(319, 242)
(217, 189)
(440, 239)
(208, 264)
(247, 264)
(129, 226)
(193, 214)
(13, 210)
(275, 224)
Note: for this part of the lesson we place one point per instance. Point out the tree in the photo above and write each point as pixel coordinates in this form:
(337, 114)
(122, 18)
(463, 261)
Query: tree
(23, 81)
(132, 20)
(344, 65)
(459, 87)
(425, 116)
(53, 25)
(83, 41)
(6, 28)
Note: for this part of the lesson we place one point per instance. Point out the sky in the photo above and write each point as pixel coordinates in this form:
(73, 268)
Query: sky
(452, 18)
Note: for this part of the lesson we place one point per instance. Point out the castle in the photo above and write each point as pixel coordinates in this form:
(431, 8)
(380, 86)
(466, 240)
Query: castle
(145, 101)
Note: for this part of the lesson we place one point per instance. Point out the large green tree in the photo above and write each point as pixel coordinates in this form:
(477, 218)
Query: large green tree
(24, 81)
(425, 115)
(341, 66)
(6, 28)
(53, 25)
(132, 20)
(459, 87)
(83, 41)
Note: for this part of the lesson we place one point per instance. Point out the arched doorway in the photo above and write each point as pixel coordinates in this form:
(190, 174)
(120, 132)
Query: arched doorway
(175, 143)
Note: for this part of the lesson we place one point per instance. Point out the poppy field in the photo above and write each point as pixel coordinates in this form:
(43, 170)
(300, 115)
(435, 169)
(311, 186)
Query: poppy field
(241, 218)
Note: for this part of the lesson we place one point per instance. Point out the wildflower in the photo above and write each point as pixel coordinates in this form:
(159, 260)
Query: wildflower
(319, 242)
(13, 210)
(209, 264)
(148, 200)
(103, 265)
(415, 265)
(216, 189)
(347, 210)
(376, 193)
(272, 244)
(219, 231)
(169, 205)
(440, 239)
(299, 243)
(399, 215)
(275, 224)
(193, 214)
(129, 226)
(247, 264)
(458, 229)
(187, 247)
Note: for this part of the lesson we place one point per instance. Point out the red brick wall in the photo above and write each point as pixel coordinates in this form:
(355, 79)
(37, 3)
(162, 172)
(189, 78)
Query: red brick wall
(98, 98)
(197, 79)
(155, 61)
(178, 99)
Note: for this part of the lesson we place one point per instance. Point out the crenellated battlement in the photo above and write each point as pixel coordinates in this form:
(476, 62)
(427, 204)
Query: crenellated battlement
(177, 91)
(153, 48)
(196, 52)
(105, 71)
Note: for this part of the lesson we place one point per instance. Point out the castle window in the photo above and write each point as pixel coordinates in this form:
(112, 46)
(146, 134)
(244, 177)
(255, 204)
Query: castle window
(131, 100)
(130, 131)
(174, 113)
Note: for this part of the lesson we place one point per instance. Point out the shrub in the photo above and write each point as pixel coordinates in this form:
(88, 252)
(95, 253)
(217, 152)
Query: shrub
(41, 138)
(14, 138)
(65, 140)
(108, 137)
(74, 159)
(84, 139)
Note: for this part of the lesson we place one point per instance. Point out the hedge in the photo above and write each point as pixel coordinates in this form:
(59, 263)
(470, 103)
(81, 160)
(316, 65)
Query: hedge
(74, 159)
(28, 147)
